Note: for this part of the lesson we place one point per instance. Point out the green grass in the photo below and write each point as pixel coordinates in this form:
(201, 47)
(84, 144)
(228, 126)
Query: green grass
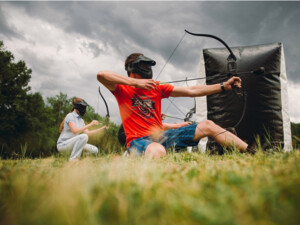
(179, 189)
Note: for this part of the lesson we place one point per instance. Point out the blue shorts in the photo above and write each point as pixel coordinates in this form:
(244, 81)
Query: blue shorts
(180, 138)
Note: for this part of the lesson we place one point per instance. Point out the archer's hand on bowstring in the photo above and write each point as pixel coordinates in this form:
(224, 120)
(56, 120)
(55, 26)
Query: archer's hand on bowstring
(233, 82)
(94, 122)
(147, 84)
(95, 131)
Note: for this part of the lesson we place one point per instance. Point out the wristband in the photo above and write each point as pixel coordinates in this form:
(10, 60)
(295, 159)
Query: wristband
(222, 87)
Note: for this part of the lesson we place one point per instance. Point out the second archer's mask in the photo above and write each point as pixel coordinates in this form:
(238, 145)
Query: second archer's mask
(81, 107)
(142, 66)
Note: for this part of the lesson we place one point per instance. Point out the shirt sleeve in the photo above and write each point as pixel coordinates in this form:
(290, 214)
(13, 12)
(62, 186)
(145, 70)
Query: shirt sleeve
(69, 118)
(117, 91)
(166, 90)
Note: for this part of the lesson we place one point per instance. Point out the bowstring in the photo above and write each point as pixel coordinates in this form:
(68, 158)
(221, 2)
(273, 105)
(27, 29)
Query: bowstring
(171, 55)
(98, 104)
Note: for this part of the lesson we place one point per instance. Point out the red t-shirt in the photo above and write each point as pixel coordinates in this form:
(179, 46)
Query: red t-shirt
(140, 109)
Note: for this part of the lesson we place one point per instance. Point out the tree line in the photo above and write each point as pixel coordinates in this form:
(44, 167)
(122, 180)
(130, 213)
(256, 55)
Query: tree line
(29, 126)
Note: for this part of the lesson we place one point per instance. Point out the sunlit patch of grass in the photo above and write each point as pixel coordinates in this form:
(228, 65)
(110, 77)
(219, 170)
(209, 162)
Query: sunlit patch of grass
(178, 189)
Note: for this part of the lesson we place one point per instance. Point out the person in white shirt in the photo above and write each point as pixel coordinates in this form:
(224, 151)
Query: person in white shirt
(74, 133)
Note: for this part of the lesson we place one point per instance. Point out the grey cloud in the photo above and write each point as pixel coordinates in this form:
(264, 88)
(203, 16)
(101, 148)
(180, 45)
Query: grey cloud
(155, 28)
(252, 23)
(40, 65)
(6, 29)
(93, 48)
(158, 26)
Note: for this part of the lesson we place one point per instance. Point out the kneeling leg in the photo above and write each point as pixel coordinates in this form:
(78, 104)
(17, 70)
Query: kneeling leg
(220, 135)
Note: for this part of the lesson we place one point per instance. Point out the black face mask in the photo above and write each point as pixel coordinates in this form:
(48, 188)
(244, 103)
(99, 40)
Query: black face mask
(142, 66)
(81, 107)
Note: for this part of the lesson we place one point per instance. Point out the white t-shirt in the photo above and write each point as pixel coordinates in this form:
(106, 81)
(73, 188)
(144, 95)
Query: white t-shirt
(66, 132)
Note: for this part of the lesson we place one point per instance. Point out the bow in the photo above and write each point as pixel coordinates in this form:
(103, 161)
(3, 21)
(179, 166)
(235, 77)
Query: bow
(107, 111)
(192, 111)
(231, 71)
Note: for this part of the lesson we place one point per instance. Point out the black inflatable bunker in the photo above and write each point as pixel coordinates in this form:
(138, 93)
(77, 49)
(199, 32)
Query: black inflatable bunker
(259, 112)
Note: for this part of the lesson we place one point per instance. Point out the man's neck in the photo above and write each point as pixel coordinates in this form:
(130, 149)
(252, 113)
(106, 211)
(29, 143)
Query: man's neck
(135, 75)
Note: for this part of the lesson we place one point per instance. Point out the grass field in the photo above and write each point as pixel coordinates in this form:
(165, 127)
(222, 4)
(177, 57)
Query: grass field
(179, 189)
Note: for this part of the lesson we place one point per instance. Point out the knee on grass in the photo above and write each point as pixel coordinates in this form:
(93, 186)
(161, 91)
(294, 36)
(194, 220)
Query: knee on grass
(155, 150)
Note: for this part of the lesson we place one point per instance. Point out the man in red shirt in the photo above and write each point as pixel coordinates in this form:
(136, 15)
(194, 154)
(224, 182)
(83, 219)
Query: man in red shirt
(139, 99)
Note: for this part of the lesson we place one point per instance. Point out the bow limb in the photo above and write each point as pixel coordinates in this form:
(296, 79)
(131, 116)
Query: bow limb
(214, 37)
(231, 60)
(244, 109)
(107, 111)
(192, 111)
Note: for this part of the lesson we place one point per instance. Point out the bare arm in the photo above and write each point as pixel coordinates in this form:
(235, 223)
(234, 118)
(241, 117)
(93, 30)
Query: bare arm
(110, 80)
(77, 130)
(169, 126)
(204, 90)
(91, 132)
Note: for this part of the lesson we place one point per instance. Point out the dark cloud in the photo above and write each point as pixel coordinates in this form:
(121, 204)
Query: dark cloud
(95, 49)
(6, 29)
(155, 28)
(252, 23)
(158, 26)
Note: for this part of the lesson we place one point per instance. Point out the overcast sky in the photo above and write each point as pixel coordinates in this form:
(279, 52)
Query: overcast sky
(67, 43)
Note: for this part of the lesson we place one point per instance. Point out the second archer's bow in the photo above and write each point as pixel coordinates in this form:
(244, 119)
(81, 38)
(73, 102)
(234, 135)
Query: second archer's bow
(107, 111)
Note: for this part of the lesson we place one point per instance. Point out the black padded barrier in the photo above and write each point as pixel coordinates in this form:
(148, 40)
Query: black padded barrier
(262, 94)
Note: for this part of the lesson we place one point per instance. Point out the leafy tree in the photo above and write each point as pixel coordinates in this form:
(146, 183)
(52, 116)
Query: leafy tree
(14, 78)
(24, 118)
(39, 136)
(29, 127)
(59, 106)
